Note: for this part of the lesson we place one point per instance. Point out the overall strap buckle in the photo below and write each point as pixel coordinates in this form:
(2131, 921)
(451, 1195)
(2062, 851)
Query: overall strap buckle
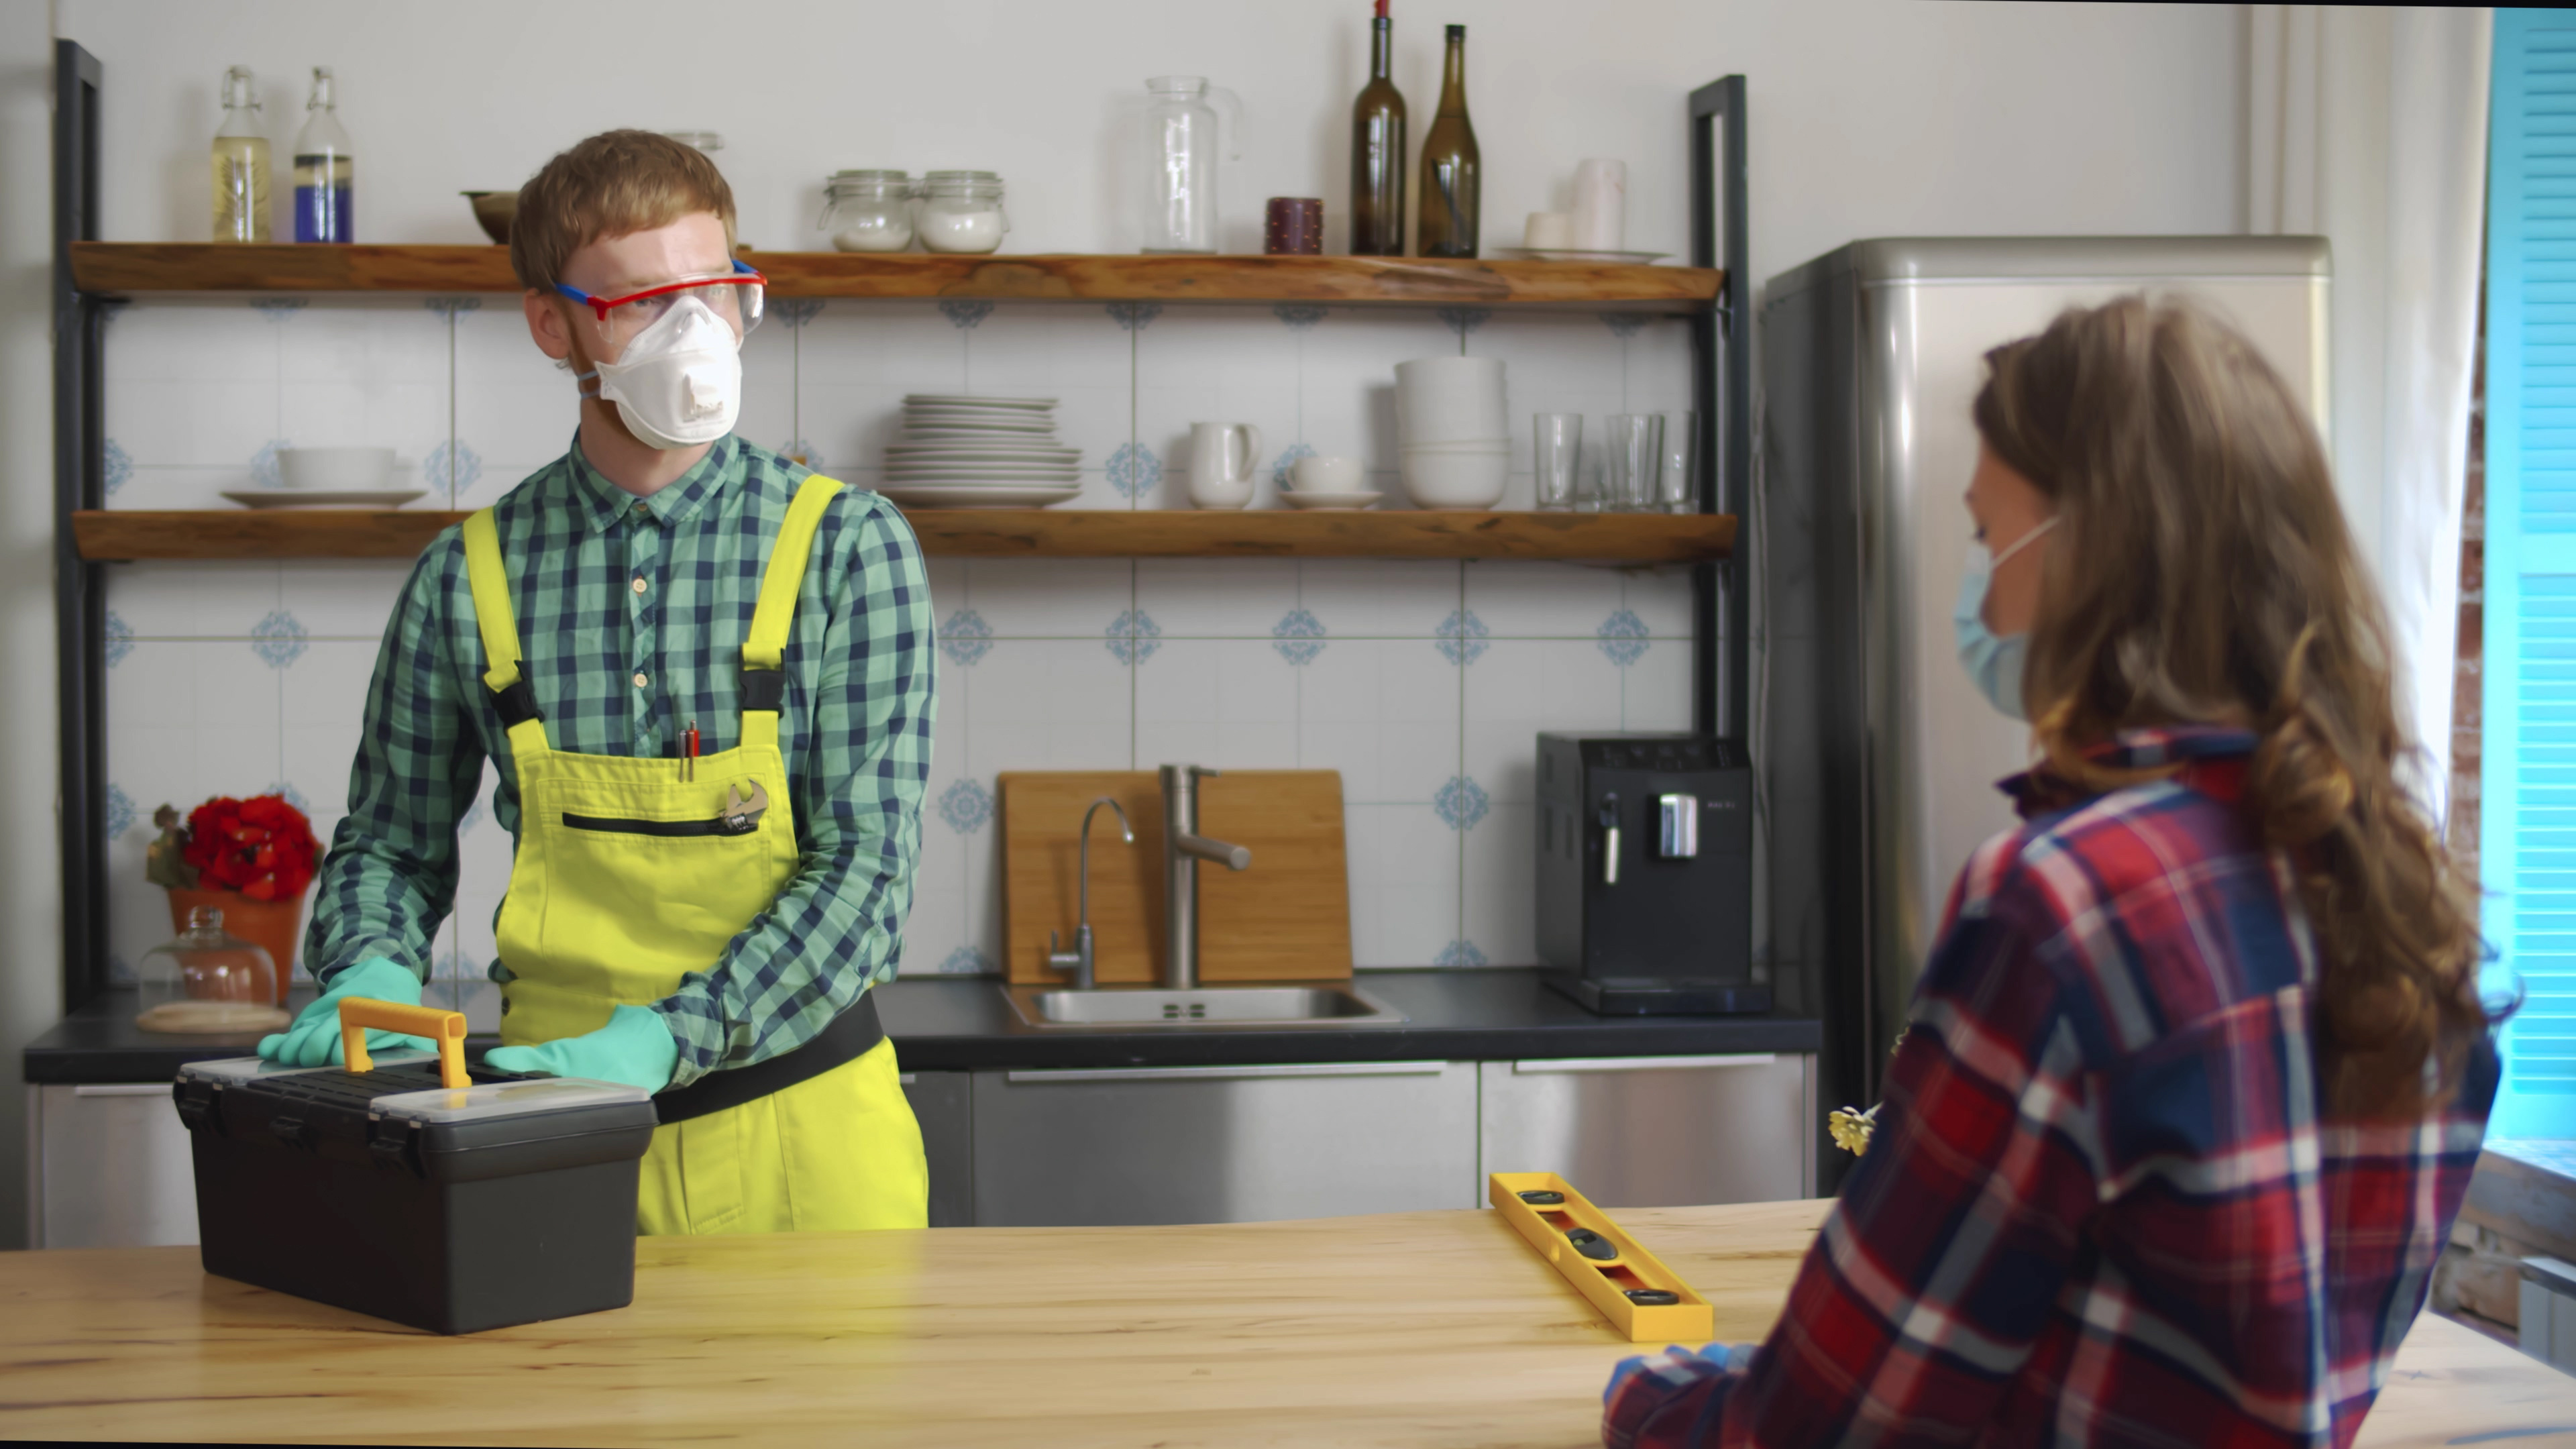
(517, 703)
(763, 689)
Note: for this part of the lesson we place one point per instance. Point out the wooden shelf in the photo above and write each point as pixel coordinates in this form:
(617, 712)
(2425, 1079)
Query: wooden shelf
(204, 267)
(121, 534)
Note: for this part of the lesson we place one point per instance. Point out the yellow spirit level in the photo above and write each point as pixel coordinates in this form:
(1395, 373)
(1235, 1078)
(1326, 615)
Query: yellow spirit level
(1639, 1295)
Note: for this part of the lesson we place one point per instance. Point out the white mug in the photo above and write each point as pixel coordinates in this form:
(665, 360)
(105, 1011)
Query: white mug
(1223, 458)
(1329, 475)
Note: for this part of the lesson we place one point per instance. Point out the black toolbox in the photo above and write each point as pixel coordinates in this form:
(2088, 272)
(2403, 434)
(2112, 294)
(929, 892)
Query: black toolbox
(505, 1201)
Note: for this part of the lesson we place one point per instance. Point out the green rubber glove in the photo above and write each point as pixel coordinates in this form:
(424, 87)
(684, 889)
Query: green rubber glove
(635, 1048)
(314, 1038)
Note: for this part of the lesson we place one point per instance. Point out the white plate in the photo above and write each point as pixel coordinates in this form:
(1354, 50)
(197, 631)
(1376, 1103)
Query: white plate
(980, 453)
(1316, 498)
(983, 475)
(951, 495)
(1570, 254)
(1034, 433)
(324, 497)
(957, 400)
(960, 410)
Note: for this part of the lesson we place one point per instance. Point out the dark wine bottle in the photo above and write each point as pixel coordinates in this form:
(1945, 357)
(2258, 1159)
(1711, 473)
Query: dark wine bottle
(1449, 164)
(1377, 152)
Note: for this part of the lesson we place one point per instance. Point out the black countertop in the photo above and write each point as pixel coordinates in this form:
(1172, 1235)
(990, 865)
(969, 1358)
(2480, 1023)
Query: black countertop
(958, 1023)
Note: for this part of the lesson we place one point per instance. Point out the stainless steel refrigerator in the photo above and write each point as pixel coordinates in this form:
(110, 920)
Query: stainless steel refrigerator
(1878, 757)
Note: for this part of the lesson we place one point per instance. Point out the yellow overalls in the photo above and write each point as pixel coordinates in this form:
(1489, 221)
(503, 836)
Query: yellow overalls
(614, 896)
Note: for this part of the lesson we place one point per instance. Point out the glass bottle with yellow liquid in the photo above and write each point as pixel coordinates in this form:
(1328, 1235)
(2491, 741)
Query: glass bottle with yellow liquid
(240, 163)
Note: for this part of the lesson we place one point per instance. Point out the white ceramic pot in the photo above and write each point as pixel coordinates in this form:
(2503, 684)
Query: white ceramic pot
(337, 469)
(1329, 475)
(1450, 399)
(1456, 480)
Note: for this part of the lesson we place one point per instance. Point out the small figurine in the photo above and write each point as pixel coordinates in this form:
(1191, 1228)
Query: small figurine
(163, 865)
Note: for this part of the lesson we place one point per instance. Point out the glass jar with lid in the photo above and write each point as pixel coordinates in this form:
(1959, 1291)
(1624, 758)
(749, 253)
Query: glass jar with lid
(961, 211)
(868, 211)
(208, 979)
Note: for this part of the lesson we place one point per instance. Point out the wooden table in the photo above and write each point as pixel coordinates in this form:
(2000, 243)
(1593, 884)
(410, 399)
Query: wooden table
(1405, 1329)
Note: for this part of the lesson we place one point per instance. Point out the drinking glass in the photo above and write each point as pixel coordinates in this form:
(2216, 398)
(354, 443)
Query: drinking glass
(1680, 437)
(1633, 458)
(1557, 454)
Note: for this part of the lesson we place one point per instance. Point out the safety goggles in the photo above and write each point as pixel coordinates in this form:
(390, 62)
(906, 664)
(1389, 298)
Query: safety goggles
(734, 296)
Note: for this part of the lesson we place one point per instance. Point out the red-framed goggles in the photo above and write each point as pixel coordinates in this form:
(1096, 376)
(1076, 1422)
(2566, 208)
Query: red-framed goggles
(734, 296)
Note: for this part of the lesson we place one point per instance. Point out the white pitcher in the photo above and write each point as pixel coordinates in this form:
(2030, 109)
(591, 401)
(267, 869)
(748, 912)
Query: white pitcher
(1223, 457)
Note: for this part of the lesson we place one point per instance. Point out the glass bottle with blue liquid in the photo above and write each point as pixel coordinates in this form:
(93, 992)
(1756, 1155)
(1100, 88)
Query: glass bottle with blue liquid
(322, 168)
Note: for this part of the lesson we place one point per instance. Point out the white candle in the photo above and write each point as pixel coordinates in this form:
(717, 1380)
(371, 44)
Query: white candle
(1601, 206)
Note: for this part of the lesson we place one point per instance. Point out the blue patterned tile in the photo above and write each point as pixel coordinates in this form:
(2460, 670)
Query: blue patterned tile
(965, 637)
(967, 806)
(452, 465)
(120, 972)
(278, 639)
(120, 812)
(798, 450)
(277, 309)
(115, 467)
(1623, 325)
(120, 638)
(1298, 636)
(1462, 802)
(1461, 952)
(263, 464)
(1463, 320)
(1298, 316)
(1134, 316)
(1134, 470)
(291, 796)
(966, 961)
(472, 817)
(965, 316)
(1133, 638)
(1281, 471)
(1622, 637)
(795, 312)
(1462, 637)
(451, 307)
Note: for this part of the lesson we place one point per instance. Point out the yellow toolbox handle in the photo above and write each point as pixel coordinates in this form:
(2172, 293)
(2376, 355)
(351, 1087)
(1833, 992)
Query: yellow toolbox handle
(447, 1028)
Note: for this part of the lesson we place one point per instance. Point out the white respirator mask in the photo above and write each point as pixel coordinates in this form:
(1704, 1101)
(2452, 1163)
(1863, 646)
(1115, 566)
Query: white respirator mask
(679, 382)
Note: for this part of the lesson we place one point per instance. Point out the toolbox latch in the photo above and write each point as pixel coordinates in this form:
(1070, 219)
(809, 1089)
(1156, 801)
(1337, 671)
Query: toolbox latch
(394, 1144)
(294, 1132)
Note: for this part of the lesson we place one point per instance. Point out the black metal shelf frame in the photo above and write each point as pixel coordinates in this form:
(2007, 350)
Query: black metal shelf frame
(1721, 389)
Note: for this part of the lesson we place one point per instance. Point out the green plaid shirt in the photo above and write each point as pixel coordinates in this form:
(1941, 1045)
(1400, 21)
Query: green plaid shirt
(855, 728)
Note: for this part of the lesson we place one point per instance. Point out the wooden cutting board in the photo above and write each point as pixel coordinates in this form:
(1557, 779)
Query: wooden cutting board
(1288, 918)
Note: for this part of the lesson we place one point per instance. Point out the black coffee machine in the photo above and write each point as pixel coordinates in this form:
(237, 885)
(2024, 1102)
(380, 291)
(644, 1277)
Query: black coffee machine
(1645, 873)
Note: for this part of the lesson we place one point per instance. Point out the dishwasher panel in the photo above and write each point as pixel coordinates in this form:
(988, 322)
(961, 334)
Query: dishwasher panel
(1656, 1131)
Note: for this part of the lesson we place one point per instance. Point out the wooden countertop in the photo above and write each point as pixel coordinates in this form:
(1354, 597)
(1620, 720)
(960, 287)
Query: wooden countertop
(1404, 1329)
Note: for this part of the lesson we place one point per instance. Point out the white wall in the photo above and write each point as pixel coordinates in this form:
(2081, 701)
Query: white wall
(1869, 118)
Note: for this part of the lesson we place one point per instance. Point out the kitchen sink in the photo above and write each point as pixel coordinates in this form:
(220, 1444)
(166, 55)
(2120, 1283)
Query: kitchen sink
(1201, 1007)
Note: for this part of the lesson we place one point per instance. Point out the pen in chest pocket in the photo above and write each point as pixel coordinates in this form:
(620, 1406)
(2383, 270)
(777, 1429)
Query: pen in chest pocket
(689, 752)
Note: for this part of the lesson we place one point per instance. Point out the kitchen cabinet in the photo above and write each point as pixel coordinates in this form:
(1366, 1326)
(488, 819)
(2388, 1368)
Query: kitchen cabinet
(1215, 1144)
(112, 1167)
(1656, 1131)
(944, 1104)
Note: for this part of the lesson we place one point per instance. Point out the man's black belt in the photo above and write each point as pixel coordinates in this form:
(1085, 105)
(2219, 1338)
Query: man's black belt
(851, 1035)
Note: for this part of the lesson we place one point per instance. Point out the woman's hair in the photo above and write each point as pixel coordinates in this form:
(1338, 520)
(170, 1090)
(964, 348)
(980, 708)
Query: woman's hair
(2201, 574)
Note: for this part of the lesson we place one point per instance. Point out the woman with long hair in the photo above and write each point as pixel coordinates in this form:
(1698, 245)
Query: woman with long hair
(2196, 1074)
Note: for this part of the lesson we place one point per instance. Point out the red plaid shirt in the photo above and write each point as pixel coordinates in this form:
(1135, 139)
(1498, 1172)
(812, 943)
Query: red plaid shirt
(2100, 1205)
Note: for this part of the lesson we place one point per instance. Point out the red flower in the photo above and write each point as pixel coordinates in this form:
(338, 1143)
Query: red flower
(262, 847)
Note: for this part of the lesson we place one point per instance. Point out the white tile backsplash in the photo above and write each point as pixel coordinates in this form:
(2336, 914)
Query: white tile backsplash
(1423, 683)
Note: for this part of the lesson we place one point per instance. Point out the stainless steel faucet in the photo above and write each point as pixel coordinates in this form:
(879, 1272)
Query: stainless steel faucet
(1078, 960)
(1183, 849)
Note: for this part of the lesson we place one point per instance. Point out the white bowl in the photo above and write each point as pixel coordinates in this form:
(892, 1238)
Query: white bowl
(1479, 446)
(1450, 372)
(1452, 480)
(1336, 498)
(337, 469)
(1329, 475)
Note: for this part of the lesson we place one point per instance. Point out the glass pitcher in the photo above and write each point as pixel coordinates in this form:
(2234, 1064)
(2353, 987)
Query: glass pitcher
(1183, 139)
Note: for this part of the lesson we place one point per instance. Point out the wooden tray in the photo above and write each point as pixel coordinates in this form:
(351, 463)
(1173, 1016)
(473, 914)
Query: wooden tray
(1288, 918)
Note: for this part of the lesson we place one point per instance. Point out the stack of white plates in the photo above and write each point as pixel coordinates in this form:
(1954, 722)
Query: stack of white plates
(980, 452)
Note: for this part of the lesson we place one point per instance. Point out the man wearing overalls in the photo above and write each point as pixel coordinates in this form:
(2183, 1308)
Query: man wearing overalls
(706, 679)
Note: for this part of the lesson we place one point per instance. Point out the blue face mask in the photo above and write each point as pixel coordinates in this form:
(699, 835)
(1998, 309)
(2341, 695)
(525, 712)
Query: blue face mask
(1995, 664)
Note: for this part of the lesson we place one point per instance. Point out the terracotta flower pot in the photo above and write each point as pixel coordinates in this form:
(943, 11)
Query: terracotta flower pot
(275, 926)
